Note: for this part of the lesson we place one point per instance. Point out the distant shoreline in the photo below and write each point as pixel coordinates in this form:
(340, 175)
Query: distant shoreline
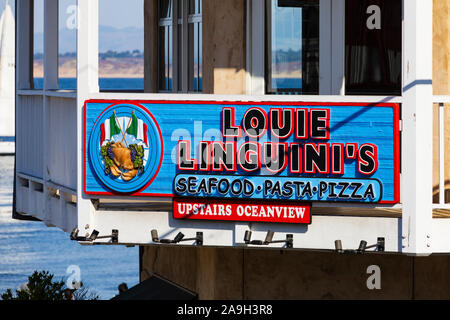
(108, 68)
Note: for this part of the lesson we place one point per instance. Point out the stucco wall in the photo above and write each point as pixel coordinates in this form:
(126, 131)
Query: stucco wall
(224, 46)
(238, 273)
(441, 86)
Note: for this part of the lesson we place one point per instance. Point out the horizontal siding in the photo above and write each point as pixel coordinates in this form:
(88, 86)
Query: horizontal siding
(29, 141)
(62, 142)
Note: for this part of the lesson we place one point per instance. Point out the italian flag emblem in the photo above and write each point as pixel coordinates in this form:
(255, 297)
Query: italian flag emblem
(138, 129)
(113, 126)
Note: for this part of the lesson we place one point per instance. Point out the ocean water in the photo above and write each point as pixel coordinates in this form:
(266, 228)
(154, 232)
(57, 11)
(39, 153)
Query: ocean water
(29, 246)
(104, 83)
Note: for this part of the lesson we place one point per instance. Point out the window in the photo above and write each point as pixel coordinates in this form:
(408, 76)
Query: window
(180, 45)
(38, 44)
(373, 47)
(121, 45)
(67, 44)
(293, 47)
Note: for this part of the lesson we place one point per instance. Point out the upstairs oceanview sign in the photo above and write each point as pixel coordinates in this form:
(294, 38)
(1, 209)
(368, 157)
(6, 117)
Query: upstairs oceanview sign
(286, 152)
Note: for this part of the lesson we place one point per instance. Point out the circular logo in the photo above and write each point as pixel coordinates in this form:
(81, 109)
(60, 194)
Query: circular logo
(125, 148)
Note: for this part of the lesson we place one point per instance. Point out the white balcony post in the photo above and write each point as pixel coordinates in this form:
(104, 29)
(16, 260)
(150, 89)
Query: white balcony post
(24, 44)
(325, 50)
(417, 138)
(51, 14)
(87, 83)
(337, 47)
(256, 15)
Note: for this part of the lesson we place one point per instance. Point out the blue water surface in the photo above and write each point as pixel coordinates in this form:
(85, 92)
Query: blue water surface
(104, 83)
(29, 246)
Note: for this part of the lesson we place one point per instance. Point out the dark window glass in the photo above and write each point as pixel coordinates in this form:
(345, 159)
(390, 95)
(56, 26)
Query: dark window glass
(172, 48)
(373, 47)
(293, 47)
(165, 45)
(165, 8)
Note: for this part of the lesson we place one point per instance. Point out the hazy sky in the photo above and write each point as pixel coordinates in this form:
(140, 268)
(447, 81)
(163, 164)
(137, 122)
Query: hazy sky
(114, 13)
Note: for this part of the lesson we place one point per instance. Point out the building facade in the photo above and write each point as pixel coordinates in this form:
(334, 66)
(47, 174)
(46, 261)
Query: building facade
(230, 66)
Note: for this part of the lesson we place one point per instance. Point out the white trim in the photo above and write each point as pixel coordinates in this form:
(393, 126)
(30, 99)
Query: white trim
(135, 229)
(67, 94)
(256, 98)
(441, 154)
(441, 99)
(445, 206)
(29, 92)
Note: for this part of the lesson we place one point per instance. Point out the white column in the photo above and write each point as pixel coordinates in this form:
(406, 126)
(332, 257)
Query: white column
(24, 44)
(51, 13)
(325, 71)
(338, 47)
(87, 83)
(256, 34)
(417, 115)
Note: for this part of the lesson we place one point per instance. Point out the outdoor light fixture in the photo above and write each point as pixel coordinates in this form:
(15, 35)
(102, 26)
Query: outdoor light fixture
(74, 235)
(268, 240)
(94, 236)
(379, 246)
(114, 236)
(178, 238)
(338, 246)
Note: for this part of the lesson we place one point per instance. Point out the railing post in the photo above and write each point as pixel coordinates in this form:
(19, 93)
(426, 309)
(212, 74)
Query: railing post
(51, 24)
(417, 116)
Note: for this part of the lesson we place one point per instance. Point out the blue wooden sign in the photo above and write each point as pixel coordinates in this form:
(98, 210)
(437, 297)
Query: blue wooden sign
(293, 151)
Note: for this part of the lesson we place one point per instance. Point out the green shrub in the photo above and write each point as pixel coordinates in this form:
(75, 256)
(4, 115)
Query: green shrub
(41, 286)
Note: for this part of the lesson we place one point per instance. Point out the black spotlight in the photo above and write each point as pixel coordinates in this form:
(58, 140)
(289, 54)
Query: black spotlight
(338, 246)
(379, 246)
(178, 238)
(247, 236)
(74, 234)
(268, 240)
(155, 237)
(94, 235)
(362, 246)
(114, 236)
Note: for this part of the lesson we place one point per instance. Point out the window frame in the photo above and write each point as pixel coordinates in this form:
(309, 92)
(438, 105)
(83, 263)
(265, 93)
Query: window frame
(331, 47)
(179, 35)
(268, 61)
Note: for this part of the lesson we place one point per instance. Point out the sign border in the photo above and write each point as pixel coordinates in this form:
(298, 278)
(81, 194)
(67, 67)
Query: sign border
(260, 202)
(396, 134)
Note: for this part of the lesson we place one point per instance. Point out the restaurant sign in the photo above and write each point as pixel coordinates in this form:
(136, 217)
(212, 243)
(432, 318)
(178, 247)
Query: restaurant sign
(216, 158)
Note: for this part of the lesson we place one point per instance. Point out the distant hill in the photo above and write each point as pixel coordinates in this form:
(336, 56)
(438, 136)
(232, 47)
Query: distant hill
(108, 68)
(110, 38)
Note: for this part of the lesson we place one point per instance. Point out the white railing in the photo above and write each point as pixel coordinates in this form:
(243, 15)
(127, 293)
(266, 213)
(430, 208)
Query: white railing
(442, 101)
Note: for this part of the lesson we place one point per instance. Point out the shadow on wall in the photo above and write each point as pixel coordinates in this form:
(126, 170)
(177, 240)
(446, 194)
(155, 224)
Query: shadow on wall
(223, 46)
